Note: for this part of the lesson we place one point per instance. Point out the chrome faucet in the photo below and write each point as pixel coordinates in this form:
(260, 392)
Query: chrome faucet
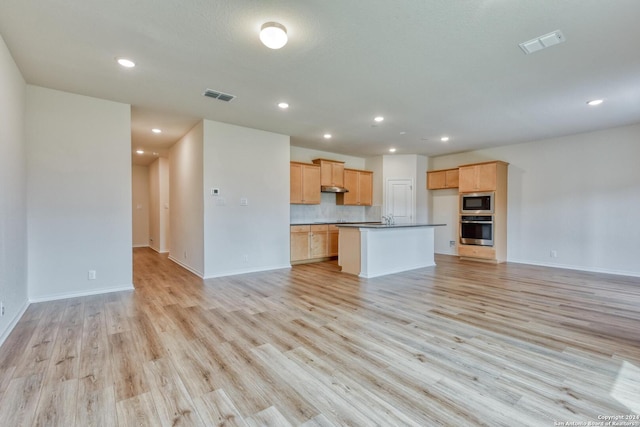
(388, 219)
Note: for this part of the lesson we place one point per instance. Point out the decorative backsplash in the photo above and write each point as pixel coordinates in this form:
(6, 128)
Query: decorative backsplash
(328, 211)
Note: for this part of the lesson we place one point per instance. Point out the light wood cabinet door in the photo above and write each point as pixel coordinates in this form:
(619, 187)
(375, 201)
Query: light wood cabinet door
(300, 245)
(310, 185)
(331, 172)
(436, 180)
(334, 234)
(319, 241)
(295, 183)
(351, 183)
(365, 181)
(360, 186)
(304, 184)
(481, 177)
(337, 174)
(452, 178)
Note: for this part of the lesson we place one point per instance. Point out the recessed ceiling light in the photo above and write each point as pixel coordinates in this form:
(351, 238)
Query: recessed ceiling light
(283, 105)
(379, 119)
(126, 63)
(327, 136)
(140, 151)
(156, 130)
(155, 154)
(595, 102)
(273, 35)
(444, 139)
(403, 133)
(392, 150)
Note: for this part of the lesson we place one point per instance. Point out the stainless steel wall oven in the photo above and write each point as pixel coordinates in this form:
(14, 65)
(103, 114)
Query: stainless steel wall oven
(476, 230)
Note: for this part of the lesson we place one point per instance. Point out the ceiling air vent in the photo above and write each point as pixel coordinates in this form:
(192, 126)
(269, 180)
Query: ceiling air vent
(542, 42)
(218, 95)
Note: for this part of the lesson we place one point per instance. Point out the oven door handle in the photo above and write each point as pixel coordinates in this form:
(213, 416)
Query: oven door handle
(476, 222)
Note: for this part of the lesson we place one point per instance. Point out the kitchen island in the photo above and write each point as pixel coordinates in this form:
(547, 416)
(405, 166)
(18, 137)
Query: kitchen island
(371, 250)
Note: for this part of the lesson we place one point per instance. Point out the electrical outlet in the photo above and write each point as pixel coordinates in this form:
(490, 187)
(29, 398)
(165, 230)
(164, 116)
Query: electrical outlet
(2, 308)
(92, 275)
(245, 258)
(553, 254)
(452, 243)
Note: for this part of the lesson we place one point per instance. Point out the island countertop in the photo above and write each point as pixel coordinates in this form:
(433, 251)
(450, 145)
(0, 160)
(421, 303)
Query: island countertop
(381, 225)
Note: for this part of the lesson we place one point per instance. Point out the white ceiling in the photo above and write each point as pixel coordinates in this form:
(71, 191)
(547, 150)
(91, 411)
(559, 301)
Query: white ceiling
(430, 67)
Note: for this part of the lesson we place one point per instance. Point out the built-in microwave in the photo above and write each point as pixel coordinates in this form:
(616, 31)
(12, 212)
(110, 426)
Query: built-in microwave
(476, 203)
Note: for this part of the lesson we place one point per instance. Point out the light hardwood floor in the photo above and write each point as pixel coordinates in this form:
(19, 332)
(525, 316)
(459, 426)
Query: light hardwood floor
(458, 344)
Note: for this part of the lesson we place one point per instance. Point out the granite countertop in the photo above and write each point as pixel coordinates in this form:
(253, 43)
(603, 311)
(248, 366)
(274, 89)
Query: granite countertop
(381, 225)
(334, 222)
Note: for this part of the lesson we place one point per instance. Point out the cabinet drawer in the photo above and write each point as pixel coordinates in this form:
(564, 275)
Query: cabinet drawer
(299, 228)
(319, 228)
(486, 252)
(333, 227)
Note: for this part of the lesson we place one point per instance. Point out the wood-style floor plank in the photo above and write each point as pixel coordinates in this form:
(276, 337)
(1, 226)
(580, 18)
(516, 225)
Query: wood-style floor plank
(460, 343)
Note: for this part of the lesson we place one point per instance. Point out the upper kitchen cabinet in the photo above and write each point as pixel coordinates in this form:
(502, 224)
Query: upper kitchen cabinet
(441, 179)
(360, 186)
(481, 176)
(331, 172)
(304, 180)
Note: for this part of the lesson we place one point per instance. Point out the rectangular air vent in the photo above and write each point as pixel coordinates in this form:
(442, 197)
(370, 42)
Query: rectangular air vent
(542, 42)
(218, 95)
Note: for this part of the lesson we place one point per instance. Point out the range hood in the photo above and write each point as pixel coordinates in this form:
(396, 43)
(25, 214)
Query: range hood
(333, 189)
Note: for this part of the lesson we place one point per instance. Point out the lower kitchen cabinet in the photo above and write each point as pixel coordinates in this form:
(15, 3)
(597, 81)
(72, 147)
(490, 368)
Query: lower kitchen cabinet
(300, 243)
(313, 242)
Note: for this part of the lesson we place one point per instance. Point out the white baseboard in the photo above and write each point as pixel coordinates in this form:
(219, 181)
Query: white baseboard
(13, 323)
(140, 246)
(186, 267)
(66, 295)
(248, 270)
(577, 268)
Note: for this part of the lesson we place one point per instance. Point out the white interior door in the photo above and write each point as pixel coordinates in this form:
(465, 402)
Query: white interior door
(400, 200)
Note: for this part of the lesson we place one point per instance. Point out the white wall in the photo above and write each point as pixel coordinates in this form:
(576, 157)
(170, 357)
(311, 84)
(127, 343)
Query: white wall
(13, 178)
(140, 205)
(578, 195)
(78, 194)
(307, 155)
(159, 228)
(251, 164)
(186, 201)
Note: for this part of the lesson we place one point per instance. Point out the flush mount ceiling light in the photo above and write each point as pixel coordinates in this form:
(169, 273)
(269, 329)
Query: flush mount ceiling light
(140, 151)
(379, 119)
(327, 136)
(392, 150)
(273, 35)
(595, 102)
(156, 130)
(283, 105)
(126, 63)
(444, 139)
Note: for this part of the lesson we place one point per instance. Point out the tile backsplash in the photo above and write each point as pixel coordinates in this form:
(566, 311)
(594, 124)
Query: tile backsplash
(328, 211)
